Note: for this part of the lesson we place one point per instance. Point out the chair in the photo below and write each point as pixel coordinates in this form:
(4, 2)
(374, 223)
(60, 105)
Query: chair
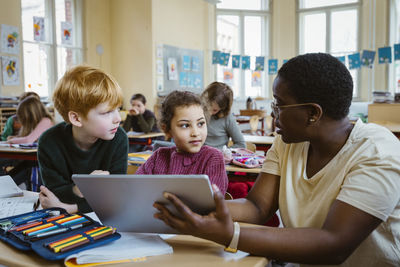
(254, 120)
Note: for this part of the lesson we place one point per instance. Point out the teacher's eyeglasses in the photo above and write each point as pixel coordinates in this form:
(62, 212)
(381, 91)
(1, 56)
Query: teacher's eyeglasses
(277, 109)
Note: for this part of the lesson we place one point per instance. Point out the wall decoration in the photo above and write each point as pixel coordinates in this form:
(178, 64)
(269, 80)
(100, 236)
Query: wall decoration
(215, 57)
(354, 61)
(172, 69)
(195, 64)
(396, 49)
(235, 61)
(38, 29)
(256, 78)
(260, 63)
(10, 39)
(224, 59)
(245, 62)
(272, 66)
(228, 77)
(385, 55)
(10, 67)
(186, 62)
(183, 82)
(342, 59)
(66, 33)
(367, 58)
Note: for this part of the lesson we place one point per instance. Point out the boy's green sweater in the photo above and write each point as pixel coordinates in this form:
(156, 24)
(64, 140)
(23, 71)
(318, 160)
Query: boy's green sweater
(59, 157)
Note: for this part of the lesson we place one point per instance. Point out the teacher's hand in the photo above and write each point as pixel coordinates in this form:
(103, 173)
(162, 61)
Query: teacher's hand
(216, 226)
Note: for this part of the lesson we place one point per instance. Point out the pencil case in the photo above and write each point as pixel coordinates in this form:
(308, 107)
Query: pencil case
(53, 233)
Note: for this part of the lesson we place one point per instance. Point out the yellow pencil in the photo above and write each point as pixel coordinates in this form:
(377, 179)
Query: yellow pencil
(68, 218)
(59, 242)
(33, 229)
(101, 232)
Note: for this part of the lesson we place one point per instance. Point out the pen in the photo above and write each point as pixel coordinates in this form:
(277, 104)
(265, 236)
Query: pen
(57, 231)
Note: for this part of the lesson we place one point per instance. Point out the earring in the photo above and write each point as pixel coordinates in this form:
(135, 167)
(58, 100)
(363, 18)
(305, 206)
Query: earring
(311, 120)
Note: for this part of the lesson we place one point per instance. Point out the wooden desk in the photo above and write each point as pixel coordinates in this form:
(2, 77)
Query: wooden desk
(188, 251)
(18, 153)
(251, 173)
(138, 139)
(262, 143)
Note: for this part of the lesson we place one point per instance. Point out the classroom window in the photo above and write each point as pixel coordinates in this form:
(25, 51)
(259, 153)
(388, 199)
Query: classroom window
(52, 41)
(242, 29)
(330, 27)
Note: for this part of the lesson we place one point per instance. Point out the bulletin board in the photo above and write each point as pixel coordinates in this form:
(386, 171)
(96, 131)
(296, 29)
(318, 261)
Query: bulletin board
(179, 69)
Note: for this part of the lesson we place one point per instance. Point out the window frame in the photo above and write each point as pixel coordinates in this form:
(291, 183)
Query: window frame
(51, 43)
(394, 38)
(328, 10)
(265, 15)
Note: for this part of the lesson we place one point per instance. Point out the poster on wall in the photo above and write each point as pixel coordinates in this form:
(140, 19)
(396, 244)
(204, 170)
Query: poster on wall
(186, 62)
(9, 39)
(228, 77)
(195, 64)
(159, 64)
(172, 69)
(38, 29)
(66, 33)
(160, 83)
(256, 78)
(10, 67)
(385, 55)
(367, 58)
(183, 79)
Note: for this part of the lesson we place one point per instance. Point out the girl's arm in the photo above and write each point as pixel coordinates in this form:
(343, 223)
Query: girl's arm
(8, 129)
(234, 132)
(42, 126)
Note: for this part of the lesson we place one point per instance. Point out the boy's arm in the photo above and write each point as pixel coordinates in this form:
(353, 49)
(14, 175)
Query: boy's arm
(53, 178)
(146, 124)
(127, 125)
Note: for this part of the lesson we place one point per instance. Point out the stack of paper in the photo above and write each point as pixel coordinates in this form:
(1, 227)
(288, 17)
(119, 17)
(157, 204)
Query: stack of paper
(139, 156)
(8, 188)
(129, 247)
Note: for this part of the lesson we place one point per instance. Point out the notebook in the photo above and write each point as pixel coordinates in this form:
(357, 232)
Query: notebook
(126, 201)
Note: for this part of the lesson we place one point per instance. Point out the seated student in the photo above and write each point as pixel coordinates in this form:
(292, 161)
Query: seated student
(222, 124)
(183, 118)
(13, 125)
(89, 141)
(34, 119)
(337, 185)
(139, 118)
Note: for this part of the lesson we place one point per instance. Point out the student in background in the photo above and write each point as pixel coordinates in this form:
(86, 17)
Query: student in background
(90, 140)
(34, 119)
(183, 118)
(13, 125)
(222, 125)
(337, 185)
(139, 118)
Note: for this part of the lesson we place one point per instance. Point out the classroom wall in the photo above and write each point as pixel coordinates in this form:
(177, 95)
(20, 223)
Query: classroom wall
(11, 15)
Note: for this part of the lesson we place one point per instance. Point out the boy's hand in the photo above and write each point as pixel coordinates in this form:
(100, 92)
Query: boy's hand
(134, 111)
(48, 199)
(100, 172)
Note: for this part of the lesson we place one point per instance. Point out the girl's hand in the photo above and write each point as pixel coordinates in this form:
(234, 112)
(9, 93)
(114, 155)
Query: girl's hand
(10, 137)
(216, 226)
(134, 111)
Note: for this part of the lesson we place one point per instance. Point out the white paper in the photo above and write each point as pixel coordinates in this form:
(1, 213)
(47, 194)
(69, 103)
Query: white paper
(160, 83)
(159, 67)
(16, 205)
(233, 256)
(159, 52)
(129, 246)
(8, 188)
(10, 67)
(10, 39)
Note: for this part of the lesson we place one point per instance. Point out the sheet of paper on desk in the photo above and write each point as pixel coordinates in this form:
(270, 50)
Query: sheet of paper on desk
(129, 246)
(8, 188)
(134, 133)
(233, 256)
(16, 205)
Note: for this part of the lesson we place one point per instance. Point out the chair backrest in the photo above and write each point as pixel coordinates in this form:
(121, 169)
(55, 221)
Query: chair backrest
(254, 123)
(250, 146)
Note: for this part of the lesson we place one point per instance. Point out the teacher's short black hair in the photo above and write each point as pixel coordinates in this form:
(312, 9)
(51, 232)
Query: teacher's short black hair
(319, 78)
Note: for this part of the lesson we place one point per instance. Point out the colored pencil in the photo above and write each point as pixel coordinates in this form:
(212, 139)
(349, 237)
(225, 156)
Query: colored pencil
(74, 245)
(57, 248)
(42, 230)
(37, 228)
(55, 243)
(26, 226)
(68, 218)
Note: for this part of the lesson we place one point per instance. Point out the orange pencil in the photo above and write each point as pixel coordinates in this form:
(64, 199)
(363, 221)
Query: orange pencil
(68, 218)
(33, 229)
(61, 241)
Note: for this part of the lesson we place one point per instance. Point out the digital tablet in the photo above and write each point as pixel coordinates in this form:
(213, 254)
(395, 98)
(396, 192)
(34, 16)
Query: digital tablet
(126, 201)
